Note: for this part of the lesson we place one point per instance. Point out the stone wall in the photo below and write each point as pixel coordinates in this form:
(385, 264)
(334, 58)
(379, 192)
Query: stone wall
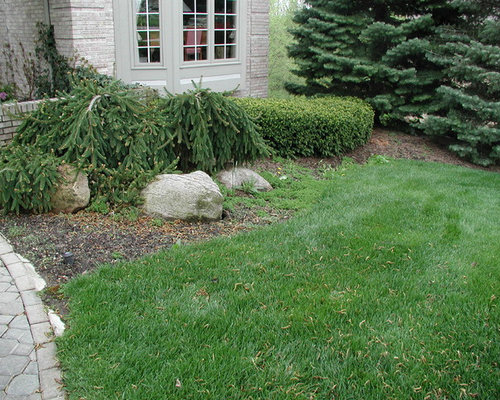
(8, 120)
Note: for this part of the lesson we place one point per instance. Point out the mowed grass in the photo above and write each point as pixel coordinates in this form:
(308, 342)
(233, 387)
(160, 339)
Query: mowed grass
(386, 289)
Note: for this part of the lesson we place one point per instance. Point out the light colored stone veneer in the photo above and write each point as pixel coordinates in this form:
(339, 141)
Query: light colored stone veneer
(85, 28)
(257, 48)
(18, 25)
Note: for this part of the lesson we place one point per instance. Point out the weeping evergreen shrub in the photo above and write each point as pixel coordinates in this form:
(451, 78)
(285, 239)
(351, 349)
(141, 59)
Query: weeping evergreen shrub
(122, 137)
(109, 132)
(210, 130)
(28, 179)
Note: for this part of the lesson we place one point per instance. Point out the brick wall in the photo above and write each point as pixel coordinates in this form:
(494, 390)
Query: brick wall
(85, 28)
(9, 120)
(18, 25)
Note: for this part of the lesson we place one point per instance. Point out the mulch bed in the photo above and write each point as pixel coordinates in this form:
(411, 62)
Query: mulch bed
(95, 239)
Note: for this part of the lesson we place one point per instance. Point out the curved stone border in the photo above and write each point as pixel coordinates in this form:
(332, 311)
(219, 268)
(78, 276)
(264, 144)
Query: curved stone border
(28, 365)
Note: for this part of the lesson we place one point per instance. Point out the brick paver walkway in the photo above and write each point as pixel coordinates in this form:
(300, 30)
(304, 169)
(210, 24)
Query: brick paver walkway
(28, 364)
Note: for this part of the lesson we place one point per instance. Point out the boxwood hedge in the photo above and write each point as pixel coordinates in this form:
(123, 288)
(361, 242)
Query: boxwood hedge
(323, 126)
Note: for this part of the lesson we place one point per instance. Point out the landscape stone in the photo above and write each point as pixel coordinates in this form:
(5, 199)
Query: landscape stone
(23, 385)
(19, 322)
(46, 356)
(13, 365)
(36, 314)
(6, 346)
(236, 177)
(50, 382)
(73, 192)
(193, 196)
(4, 380)
(13, 307)
(32, 368)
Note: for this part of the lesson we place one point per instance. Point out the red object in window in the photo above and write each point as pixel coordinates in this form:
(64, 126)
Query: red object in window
(193, 38)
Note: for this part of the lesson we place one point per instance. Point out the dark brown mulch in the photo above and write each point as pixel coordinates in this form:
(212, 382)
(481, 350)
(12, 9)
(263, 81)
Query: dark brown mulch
(96, 239)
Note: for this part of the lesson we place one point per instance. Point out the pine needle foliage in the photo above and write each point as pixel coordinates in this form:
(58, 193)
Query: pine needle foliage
(371, 49)
(28, 178)
(108, 132)
(469, 111)
(210, 130)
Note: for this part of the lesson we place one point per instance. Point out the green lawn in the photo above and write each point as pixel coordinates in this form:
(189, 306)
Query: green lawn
(386, 289)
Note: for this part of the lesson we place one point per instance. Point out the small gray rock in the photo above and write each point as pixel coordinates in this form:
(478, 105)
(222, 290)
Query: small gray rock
(236, 177)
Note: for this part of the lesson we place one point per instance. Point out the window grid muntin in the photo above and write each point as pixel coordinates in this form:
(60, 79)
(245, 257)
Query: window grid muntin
(146, 35)
(195, 37)
(226, 49)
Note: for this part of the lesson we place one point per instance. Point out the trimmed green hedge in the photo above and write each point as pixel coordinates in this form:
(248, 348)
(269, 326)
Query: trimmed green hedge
(324, 126)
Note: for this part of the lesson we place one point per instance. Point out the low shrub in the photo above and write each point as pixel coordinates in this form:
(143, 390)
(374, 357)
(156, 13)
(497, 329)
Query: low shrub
(28, 179)
(324, 127)
(210, 130)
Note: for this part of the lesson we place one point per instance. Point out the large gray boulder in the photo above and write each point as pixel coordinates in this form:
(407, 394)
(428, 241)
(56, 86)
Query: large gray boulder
(72, 193)
(236, 177)
(193, 196)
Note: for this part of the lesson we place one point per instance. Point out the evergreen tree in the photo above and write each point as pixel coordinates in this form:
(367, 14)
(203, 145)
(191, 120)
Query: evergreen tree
(469, 112)
(372, 49)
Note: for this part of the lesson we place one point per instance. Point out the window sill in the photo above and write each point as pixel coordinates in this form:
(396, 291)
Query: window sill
(193, 64)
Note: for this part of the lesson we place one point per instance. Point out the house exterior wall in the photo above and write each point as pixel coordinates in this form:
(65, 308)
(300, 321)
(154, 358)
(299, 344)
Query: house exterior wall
(257, 48)
(85, 28)
(19, 26)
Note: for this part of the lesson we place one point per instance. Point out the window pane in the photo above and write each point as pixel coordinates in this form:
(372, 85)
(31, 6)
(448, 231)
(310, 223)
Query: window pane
(154, 38)
(143, 55)
(141, 22)
(155, 55)
(201, 6)
(188, 21)
(219, 22)
(203, 53)
(219, 6)
(188, 6)
(192, 38)
(219, 37)
(201, 22)
(219, 52)
(153, 5)
(230, 51)
(189, 53)
(140, 5)
(231, 6)
(230, 22)
(230, 36)
(154, 21)
(202, 37)
(142, 38)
